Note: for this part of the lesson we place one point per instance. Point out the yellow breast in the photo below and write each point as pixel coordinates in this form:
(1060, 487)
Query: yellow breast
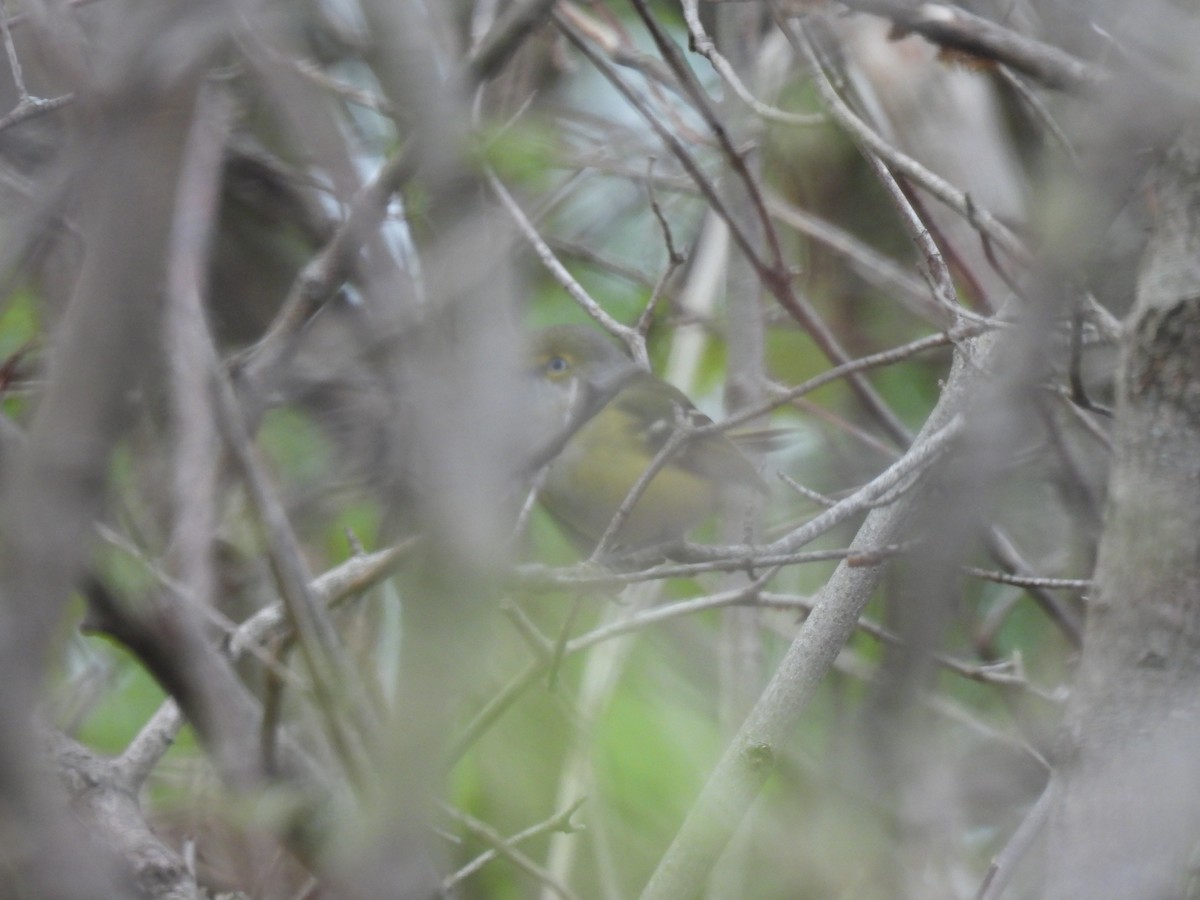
(590, 479)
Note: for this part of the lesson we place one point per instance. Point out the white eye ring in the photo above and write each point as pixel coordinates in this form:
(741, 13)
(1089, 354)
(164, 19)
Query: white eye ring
(556, 364)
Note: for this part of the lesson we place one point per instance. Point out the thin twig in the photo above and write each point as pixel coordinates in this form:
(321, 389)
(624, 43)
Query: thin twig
(919, 457)
(866, 136)
(32, 107)
(559, 822)
(14, 62)
(506, 847)
(539, 578)
(1040, 112)
(628, 336)
(752, 595)
(875, 360)
(497, 46)
(806, 493)
(355, 575)
(675, 258)
(703, 44)
(871, 265)
(144, 752)
(1030, 581)
(678, 437)
(934, 268)
(333, 676)
(750, 758)
(774, 275)
(1004, 863)
(1005, 552)
(957, 29)
(541, 646)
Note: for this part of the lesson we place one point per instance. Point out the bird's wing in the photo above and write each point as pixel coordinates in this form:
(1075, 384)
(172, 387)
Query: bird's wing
(656, 409)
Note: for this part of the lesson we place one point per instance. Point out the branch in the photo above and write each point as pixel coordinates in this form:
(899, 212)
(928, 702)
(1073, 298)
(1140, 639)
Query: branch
(558, 823)
(703, 44)
(872, 266)
(772, 274)
(927, 448)
(751, 758)
(630, 337)
(954, 28)
(869, 139)
(1000, 872)
(505, 847)
(103, 798)
(325, 273)
(501, 42)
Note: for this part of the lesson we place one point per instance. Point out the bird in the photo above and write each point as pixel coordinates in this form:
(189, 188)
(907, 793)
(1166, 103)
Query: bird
(605, 419)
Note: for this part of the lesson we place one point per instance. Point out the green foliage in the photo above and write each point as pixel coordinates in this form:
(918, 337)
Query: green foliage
(295, 444)
(18, 323)
(526, 153)
(131, 698)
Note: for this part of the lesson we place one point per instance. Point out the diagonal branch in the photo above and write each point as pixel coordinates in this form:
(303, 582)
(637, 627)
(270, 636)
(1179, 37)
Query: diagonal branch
(957, 29)
(751, 758)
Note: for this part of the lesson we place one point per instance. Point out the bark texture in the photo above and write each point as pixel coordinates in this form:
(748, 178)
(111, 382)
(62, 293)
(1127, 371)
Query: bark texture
(1129, 815)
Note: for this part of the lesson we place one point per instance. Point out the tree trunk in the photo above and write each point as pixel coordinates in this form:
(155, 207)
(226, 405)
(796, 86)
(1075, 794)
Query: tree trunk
(1128, 815)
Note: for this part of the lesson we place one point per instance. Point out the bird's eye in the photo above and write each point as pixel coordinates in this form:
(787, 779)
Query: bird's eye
(556, 364)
